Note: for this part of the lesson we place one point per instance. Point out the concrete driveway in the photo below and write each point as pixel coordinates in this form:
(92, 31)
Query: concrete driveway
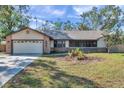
(11, 65)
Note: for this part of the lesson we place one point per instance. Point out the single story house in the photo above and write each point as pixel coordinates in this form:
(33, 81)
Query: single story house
(30, 41)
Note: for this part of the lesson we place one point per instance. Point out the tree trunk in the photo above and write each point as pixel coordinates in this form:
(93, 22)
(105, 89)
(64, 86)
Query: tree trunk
(108, 50)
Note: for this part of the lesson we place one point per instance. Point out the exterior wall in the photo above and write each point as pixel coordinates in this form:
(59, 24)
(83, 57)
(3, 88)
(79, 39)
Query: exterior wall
(100, 47)
(52, 43)
(27, 35)
(46, 44)
(31, 35)
(101, 43)
(60, 49)
(8, 44)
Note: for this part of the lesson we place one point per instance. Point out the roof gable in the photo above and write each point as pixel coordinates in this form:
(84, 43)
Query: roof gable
(27, 28)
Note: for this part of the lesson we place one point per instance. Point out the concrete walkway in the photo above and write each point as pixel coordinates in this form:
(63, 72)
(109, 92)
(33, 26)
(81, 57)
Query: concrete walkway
(11, 65)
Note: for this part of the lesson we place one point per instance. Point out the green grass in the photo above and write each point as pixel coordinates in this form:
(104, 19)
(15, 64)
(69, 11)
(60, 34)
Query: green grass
(46, 72)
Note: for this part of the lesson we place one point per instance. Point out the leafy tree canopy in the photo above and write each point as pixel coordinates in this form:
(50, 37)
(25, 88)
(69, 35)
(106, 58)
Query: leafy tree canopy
(12, 18)
(109, 18)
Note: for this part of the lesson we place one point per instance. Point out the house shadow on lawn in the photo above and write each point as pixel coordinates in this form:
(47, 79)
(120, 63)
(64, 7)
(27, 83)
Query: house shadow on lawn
(60, 79)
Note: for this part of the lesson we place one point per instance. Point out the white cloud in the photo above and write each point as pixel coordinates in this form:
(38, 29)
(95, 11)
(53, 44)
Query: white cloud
(81, 9)
(58, 12)
(73, 16)
(51, 11)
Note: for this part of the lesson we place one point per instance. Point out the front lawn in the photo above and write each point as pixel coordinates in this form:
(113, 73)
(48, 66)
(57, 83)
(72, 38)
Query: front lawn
(49, 72)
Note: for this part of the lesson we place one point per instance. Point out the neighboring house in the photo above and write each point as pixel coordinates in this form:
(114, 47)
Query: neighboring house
(117, 48)
(27, 40)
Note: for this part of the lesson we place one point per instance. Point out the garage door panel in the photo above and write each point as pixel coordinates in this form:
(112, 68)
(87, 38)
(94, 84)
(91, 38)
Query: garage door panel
(27, 47)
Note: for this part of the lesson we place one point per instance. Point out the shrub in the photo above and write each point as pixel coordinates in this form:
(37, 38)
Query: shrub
(78, 53)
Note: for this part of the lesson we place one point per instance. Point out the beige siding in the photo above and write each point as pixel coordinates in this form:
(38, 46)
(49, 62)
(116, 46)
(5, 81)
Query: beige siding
(25, 35)
(101, 43)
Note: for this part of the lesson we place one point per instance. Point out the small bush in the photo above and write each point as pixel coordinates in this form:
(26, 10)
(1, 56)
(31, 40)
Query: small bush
(78, 53)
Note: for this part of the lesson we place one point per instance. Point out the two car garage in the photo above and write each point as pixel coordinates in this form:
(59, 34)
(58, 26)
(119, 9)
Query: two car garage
(27, 41)
(27, 46)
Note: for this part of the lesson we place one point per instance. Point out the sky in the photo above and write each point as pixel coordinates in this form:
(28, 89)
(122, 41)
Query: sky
(58, 12)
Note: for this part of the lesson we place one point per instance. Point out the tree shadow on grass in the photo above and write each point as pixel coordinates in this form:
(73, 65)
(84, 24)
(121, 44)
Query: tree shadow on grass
(60, 79)
(51, 77)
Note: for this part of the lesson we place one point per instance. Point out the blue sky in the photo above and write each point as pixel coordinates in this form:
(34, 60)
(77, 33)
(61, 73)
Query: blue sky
(61, 12)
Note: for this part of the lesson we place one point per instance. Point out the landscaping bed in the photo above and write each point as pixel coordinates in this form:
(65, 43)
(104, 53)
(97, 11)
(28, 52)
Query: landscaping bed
(86, 59)
(78, 56)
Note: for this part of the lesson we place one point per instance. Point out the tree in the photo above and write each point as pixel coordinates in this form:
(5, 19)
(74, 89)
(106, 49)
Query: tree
(68, 25)
(58, 25)
(109, 41)
(12, 18)
(113, 39)
(90, 19)
(123, 39)
(45, 26)
(82, 26)
(108, 18)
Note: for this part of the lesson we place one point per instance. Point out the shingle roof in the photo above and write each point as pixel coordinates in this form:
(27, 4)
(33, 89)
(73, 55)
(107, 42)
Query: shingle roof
(77, 35)
(69, 35)
(56, 34)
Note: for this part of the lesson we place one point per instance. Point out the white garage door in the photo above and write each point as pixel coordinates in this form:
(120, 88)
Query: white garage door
(27, 47)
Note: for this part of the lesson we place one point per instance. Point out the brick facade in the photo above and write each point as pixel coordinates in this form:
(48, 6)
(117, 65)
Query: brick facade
(9, 44)
(46, 47)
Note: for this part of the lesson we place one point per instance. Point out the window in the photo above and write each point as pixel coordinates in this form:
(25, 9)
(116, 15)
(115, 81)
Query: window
(83, 43)
(59, 43)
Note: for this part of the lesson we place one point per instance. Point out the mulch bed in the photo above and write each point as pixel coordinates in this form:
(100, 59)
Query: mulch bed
(86, 59)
